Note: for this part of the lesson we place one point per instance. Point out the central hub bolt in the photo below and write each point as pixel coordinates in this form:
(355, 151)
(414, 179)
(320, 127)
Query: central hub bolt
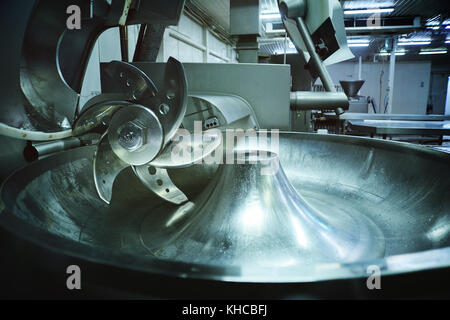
(131, 136)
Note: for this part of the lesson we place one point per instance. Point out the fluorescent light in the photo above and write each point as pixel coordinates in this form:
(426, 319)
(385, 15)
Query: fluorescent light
(358, 44)
(447, 41)
(369, 11)
(388, 54)
(269, 11)
(358, 41)
(433, 25)
(400, 52)
(288, 51)
(434, 52)
(414, 43)
(270, 16)
(416, 39)
(276, 31)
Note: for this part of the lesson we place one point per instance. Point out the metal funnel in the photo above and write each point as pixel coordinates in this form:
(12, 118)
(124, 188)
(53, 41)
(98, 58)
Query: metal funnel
(351, 88)
(251, 215)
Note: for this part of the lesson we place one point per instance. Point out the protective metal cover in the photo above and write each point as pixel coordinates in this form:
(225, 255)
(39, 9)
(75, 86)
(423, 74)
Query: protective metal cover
(316, 14)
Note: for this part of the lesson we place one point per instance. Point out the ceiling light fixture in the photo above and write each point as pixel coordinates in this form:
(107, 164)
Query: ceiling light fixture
(388, 53)
(369, 11)
(270, 16)
(433, 52)
(358, 44)
(358, 41)
(414, 43)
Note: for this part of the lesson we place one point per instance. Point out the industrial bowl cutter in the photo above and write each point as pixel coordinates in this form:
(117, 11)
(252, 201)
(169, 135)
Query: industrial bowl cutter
(296, 215)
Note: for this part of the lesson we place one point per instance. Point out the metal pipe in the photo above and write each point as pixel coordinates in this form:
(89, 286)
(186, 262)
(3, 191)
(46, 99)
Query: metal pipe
(325, 77)
(123, 30)
(381, 29)
(305, 100)
(360, 68)
(317, 61)
(285, 47)
(392, 75)
(140, 39)
(35, 151)
(372, 101)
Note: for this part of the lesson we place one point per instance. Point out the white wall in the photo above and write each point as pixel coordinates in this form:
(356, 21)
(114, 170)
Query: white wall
(411, 84)
(191, 42)
(411, 87)
(187, 42)
(438, 91)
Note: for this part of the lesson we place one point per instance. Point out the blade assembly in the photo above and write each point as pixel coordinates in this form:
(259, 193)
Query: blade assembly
(142, 125)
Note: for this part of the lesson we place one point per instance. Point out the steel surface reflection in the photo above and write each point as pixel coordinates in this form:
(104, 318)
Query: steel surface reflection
(336, 205)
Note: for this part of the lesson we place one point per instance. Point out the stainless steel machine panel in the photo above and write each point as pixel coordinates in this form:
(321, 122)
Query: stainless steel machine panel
(265, 86)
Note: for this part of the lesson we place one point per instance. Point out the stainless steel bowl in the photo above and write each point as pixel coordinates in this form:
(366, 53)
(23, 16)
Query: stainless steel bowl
(397, 195)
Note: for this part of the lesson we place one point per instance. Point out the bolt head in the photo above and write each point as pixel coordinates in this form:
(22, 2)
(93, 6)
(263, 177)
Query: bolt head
(132, 135)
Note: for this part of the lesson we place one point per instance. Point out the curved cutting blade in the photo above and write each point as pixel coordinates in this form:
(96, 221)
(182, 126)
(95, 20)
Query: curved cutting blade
(98, 112)
(129, 80)
(182, 152)
(171, 101)
(158, 181)
(168, 103)
(106, 168)
(137, 134)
